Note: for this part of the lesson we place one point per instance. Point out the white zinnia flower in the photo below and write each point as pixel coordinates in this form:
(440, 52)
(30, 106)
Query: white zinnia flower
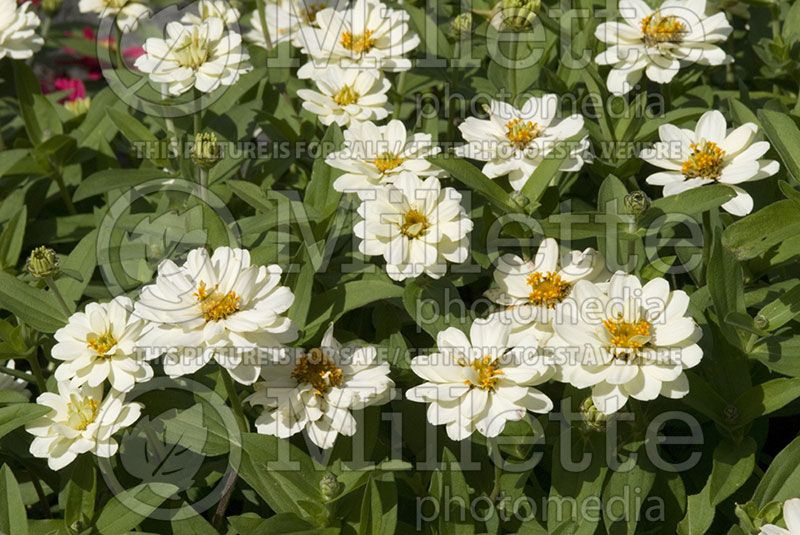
(207, 9)
(287, 19)
(11, 383)
(710, 154)
(627, 341)
(317, 390)
(219, 307)
(791, 516)
(417, 226)
(480, 382)
(101, 343)
(368, 35)
(18, 39)
(533, 290)
(375, 155)
(204, 56)
(514, 142)
(660, 41)
(81, 420)
(126, 13)
(347, 95)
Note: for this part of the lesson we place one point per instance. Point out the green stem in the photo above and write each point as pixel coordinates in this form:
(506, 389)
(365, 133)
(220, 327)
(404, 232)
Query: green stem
(64, 193)
(53, 288)
(37, 373)
(37, 485)
(236, 404)
(263, 19)
(18, 374)
(398, 99)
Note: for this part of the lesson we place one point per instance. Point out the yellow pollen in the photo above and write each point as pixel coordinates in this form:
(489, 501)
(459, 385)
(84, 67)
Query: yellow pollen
(358, 44)
(214, 305)
(81, 413)
(657, 29)
(317, 370)
(101, 344)
(626, 336)
(547, 289)
(387, 161)
(488, 373)
(415, 224)
(705, 161)
(346, 96)
(520, 133)
(192, 49)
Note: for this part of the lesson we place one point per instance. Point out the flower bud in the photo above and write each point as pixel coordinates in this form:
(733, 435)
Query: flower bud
(461, 25)
(329, 486)
(79, 106)
(205, 151)
(515, 15)
(42, 263)
(51, 6)
(593, 419)
(637, 202)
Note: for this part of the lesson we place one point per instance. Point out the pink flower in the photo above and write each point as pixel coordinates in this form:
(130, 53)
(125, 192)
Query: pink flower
(74, 85)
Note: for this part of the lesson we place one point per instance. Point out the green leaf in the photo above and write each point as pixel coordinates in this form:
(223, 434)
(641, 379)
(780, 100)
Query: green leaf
(757, 233)
(782, 479)
(192, 525)
(251, 194)
(13, 518)
(543, 175)
(782, 310)
(320, 197)
(622, 510)
(136, 133)
(692, 202)
(37, 308)
(284, 523)
(80, 492)
(732, 466)
(202, 428)
(379, 506)
(11, 239)
(38, 114)
(474, 179)
(19, 414)
(450, 489)
(81, 263)
(334, 303)
(113, 179)
(766, 398)
(726, 285)
(285, 477)
(779, 353)
(434, 304)
(127, 509)
(784, 135)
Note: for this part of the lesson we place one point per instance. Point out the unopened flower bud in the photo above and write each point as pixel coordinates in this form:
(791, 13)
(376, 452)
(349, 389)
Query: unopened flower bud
(42, 263)
(637, 202)
(519, 199)
(51, 6)
(461, 25)
(515, 15)
(79, 106)
(329, 486)
(593, 419)
(205, 151)
(761, 322)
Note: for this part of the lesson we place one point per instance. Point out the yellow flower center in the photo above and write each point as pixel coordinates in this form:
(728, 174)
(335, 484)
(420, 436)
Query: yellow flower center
(657, 29)
(705, 161)
(488, 373)
(192, 49)
(101, 344)
(214, 305)
(627, 337)
(415, 224)
(81, 412)
(115, 4)
(387, 161)
(547, 289)
(358, 44)
(520, 133)
(346, 96)
(317, 370)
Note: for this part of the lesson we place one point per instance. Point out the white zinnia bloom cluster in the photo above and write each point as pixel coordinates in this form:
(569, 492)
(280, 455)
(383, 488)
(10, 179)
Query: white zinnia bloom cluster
(659, 42)
(82, 420)
(203, 55)
(515, 142)
(710, 154)
(18, 39)
(315, 391)
(126, 13)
